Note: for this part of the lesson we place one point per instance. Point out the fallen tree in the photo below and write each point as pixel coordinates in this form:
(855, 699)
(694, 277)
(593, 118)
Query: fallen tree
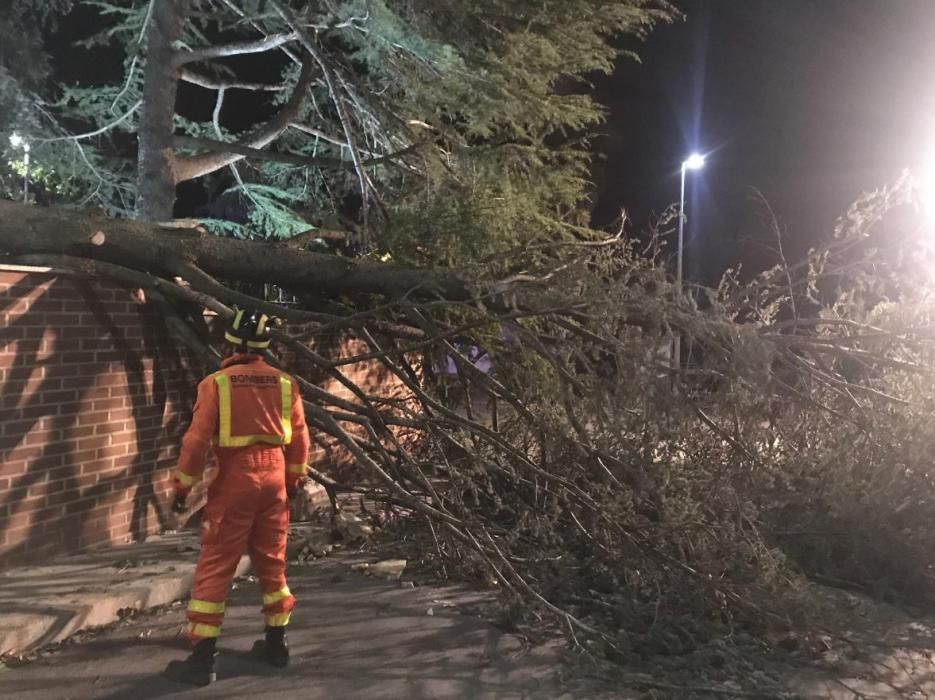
(638, 503)
(629, 498)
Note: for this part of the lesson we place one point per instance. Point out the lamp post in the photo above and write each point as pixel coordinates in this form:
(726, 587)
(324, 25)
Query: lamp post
(18, 141)
(694, 162)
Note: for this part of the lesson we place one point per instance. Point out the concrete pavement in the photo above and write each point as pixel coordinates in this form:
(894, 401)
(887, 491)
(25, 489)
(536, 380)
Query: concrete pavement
(352, 637)
(46, 603)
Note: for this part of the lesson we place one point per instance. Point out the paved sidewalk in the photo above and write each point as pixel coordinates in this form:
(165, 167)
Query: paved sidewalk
(352, 636)
(44, 604)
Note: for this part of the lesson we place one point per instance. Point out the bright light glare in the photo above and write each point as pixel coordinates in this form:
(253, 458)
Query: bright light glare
(695, 162)
(16, 140)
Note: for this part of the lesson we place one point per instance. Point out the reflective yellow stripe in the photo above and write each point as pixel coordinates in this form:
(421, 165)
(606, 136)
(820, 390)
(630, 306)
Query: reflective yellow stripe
(183, 478)
(298, 469)
(205, 606)
(261, 326)
(258, 344)
(285, 384)
(238, 317)
(278, 620)
(229, 337)
(224, 410)
(196, 629)
(270, 598)
(225, 439)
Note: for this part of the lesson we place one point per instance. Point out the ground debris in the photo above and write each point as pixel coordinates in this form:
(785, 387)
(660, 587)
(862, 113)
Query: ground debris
(390, 569)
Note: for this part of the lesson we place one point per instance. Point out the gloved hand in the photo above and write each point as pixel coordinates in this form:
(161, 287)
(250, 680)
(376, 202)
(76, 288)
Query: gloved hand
(293, 487)
(178, 504)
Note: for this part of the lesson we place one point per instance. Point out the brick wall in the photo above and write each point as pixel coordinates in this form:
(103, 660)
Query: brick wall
(95, 397)
(384, 389)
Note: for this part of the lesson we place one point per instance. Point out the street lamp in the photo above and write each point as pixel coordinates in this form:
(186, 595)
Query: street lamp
(694, 162)
(18, 141)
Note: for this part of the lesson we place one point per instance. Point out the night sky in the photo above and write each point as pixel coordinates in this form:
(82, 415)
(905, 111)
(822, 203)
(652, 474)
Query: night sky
(810, 101)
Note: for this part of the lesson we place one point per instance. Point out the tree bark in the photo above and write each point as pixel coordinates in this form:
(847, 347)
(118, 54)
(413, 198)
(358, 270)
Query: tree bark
(168, 251)
(156, 178)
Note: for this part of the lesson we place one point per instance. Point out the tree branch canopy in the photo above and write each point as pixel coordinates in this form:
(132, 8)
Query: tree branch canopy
(211, 83)
(196, 166)
(222, 147)
(236, 48)
(228, 150)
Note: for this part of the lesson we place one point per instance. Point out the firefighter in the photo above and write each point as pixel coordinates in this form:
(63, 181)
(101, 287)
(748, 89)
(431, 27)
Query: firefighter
(251, 415)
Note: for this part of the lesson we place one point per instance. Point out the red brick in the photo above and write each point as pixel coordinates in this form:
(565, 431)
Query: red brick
(59, 345)
(105, 404)
(52, 384)
(22, 519)
(125, 461)
(71, 408)
(10, 279)
(120, 414)
(78, 382)
(128, 437)
(80, 506)
(54, 469)
(111, 451)
(81, 431)
(17, 427)
(61, 291)
(123, 507)
(85, 460)
(93, 442)
(7, 359)
(94, 418)
(104, 464)
(11, 333)
(34, 499)
(59, 498)
(59, 320)
(29, 319)
(43, 436)
(97, 393)
(54, 398)
(127, 319)
(75, 306)
(81, 331)
(150, 433)
(70, 358)
(52, 449)
(112, 379)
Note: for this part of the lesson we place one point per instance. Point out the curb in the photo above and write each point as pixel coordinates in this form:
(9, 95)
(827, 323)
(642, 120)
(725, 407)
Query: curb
(55, 615)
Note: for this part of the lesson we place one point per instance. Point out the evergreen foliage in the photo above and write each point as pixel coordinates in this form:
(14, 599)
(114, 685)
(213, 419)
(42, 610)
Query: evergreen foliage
(476, 113)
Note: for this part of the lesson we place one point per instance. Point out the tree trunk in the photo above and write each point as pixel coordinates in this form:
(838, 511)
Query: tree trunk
(176, 252)
(155, 162)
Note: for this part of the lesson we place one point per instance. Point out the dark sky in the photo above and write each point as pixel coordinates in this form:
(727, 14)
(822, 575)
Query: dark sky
(810, 101)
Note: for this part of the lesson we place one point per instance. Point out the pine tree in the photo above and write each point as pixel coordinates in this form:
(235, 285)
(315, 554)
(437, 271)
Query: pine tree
(439, 131)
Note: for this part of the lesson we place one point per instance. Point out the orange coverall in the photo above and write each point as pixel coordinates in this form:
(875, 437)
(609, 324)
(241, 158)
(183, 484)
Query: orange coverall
(252, 414)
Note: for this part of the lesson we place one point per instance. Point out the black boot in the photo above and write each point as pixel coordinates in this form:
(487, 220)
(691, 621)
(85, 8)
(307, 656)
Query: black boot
(274, 649)
(199, 667)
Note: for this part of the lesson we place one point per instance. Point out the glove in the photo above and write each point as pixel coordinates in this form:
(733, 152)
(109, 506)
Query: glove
(178, 504)
(293, 488)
